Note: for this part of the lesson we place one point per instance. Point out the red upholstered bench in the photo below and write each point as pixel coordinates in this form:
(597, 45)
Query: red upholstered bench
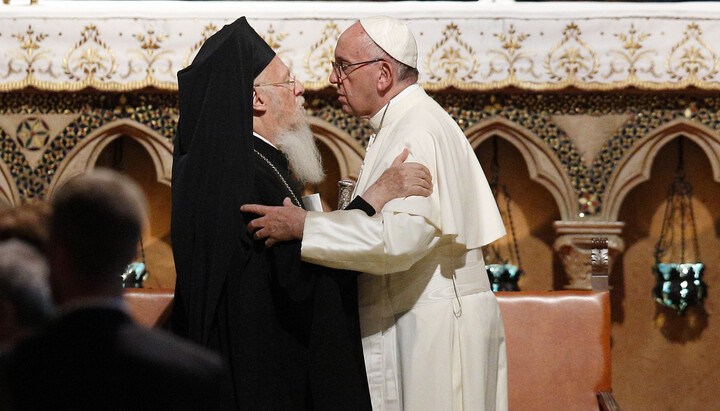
(150, 307)
(558, 348)
(558, 342)
(558, 345)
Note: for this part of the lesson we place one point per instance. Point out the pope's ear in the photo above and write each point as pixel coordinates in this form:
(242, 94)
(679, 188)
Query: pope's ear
(258, 102)
(386, 77)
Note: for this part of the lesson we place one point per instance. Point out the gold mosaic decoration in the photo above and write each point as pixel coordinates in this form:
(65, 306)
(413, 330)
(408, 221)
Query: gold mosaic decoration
(510, 55)
(32, 133)
(571, 58)
(55, 53)
(275, 42)
(317, 61)
(532, 112)
(151, 53)
(90, 60)
(451, 59)
(692, 58)
(29, 55)
(629, 59)
(157, 112)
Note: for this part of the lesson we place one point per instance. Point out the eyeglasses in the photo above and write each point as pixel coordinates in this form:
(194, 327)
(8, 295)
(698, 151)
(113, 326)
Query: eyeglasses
(340, 68)
(291, 82)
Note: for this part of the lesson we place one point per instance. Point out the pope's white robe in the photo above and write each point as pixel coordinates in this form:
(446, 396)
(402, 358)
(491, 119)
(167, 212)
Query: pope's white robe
(433, 337)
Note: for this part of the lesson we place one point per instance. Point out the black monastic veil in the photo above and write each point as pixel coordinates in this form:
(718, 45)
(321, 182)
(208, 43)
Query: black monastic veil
(288, 330)
(211, 175)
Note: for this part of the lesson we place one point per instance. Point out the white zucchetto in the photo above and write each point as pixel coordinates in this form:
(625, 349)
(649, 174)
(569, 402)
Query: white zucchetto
(394, 37)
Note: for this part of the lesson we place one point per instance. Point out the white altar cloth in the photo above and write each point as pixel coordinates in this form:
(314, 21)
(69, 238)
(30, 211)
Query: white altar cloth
(130, 45)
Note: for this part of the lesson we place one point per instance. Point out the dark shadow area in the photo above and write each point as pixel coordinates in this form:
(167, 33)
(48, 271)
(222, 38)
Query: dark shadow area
(617, 290)
(683, 328)
(559, 279)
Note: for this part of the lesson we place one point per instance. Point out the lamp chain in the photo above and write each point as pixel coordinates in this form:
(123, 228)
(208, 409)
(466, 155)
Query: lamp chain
(495, 186)
(512, 226)
(679, 198)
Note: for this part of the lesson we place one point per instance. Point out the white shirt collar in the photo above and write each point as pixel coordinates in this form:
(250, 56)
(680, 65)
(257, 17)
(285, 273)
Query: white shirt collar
(264, 139)
(377, 119)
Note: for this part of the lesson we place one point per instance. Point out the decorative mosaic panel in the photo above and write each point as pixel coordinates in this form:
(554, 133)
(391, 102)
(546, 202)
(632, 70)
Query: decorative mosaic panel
(533, 112)
(156, 111)
(529, 111)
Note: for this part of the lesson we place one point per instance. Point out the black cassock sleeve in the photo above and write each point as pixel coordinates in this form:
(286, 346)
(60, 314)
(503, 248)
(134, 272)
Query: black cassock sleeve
(318, 306)
(336, 355)
(289, 270)
(359, 203)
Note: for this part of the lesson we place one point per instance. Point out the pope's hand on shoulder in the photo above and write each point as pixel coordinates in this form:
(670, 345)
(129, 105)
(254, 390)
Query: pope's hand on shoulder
(286, 223)
(276, 223)
(399, 180)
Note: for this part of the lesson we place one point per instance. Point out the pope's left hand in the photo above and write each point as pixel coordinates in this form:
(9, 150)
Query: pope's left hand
(276, 223)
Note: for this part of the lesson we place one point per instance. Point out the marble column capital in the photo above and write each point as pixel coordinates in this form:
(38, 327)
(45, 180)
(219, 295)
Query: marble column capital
(574, 247)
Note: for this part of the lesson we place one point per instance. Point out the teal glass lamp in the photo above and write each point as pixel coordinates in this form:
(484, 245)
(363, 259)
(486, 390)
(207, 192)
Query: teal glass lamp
(136, 272)
(678, 277)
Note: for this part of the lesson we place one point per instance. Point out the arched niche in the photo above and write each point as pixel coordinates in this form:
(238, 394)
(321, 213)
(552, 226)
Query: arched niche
(9, 195)
(84, 156)
(644, 332)
(126, 154)
(636, 165)
(543, 167)
(347, 151)
(342, 157)
(147, 159)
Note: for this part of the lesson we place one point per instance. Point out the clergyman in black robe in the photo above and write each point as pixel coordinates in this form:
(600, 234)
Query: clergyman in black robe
(288, 330)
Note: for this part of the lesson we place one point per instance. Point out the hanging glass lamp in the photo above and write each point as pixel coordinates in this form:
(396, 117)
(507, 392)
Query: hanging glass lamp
(678, 274)
(134, 276)
(136, 272)
(502, 266)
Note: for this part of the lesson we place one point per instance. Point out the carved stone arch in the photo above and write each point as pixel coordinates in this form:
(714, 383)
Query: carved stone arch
(347, 151)
(543, 166)
(9, 194)
(634, 168)
(84, 156)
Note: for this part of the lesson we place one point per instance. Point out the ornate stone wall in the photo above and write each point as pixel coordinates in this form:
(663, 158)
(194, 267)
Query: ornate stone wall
(589, 95)
(587, 150)
(40, 130)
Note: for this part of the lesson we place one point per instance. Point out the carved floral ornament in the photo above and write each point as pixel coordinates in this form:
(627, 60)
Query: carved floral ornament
(126, 54)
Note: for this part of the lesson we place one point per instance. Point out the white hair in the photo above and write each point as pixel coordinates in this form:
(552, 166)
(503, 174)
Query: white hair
(403, 71)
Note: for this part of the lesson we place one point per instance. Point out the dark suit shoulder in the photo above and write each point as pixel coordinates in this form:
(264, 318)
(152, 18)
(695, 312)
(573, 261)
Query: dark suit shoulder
(100, 359)
(173, 352)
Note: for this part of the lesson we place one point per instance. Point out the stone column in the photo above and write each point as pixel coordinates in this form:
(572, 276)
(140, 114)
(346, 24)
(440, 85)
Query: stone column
(574, 246)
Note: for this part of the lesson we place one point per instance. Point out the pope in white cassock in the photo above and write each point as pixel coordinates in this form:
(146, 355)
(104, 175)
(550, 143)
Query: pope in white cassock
(433, 337)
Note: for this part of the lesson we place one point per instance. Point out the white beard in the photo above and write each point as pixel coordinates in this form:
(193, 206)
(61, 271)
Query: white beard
(303, 155)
